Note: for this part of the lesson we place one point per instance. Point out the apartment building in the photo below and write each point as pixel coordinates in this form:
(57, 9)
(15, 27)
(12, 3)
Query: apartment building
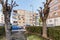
(1, 19)
(24, 18)
(37, 17)
(14, 18)
(54, 14)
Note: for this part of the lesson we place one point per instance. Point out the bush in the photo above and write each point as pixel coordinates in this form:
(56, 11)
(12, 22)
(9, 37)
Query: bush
(2, 30)
(52, 32)
(34, 29)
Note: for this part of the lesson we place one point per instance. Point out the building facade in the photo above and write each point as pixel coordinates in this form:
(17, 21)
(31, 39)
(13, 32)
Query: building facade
(14, 18)
(54, 14)
(1, 19)
(24, 18)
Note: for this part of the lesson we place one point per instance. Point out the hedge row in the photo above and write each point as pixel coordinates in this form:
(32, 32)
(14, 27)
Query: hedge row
(52, 32)
(2, 30)
(34, 29)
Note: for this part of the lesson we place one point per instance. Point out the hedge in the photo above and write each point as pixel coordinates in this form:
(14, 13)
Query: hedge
(52, 32)
(34, 29)
(2, 30)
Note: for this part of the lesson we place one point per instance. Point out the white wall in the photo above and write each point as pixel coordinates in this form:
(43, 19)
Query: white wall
(12, 19)
(53, 21)
(1, 18)
(58, 21)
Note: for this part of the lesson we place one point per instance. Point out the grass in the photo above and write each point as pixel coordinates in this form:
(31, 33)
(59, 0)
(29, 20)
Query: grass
(2, 37)
(34, 37)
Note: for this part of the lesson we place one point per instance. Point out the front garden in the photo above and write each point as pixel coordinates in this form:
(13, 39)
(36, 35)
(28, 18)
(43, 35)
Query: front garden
(52, 32)
(34, 33)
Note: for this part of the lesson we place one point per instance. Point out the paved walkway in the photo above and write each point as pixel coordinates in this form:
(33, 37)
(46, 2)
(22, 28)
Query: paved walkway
(18, 35)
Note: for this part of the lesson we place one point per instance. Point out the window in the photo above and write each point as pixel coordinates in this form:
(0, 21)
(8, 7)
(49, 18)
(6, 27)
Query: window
(14, 14)
(23, 19)
(51, 10)
(30, 19)
(1, 18)
(33, 15)
(1, 15)
(50, 25)
(14, 21)
(23, 22)
(19, 18)
(55, 20)
(55, 8)
(14, 17)
(15, 11)
(1, 21)
(56, 1)
(19, 22)
(50, 20)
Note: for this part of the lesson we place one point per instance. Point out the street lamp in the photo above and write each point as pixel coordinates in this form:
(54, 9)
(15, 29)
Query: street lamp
(32, 13)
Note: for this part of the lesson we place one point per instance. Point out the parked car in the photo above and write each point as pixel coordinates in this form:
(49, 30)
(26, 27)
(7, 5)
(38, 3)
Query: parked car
(27, 25)
(15, 27)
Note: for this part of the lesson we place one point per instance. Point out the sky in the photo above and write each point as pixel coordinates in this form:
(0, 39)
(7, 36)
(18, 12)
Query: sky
(30, 5)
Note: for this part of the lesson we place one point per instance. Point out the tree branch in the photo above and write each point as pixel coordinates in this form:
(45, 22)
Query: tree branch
(2, 2)
(6, 3)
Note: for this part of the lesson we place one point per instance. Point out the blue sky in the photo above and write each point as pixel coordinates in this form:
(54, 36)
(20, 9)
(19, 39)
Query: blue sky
(26, 4)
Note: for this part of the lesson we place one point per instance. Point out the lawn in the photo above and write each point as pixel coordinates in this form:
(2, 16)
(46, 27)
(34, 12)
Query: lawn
(34, 37)
(2, 38)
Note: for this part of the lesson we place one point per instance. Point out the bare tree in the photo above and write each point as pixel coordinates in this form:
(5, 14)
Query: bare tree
(7, 9)
(43, 16)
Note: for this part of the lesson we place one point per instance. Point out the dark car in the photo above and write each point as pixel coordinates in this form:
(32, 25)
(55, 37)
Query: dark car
(27, 25)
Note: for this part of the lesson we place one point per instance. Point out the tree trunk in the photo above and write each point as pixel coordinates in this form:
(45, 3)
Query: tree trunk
(8, 33)
(44, 30)
(7, 26)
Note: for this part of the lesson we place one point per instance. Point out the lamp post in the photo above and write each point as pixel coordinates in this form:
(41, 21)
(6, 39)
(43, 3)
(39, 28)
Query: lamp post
(32, 13)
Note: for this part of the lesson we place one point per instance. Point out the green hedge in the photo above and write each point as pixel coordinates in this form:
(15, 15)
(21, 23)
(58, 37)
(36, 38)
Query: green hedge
(52, 32)
(34, 29)
(2, 30)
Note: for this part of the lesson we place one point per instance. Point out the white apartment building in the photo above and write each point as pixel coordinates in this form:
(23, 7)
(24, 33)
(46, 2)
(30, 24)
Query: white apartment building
(37, 19)
(1, 19)
(53, 22)
(14, 18)
(23, 18)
